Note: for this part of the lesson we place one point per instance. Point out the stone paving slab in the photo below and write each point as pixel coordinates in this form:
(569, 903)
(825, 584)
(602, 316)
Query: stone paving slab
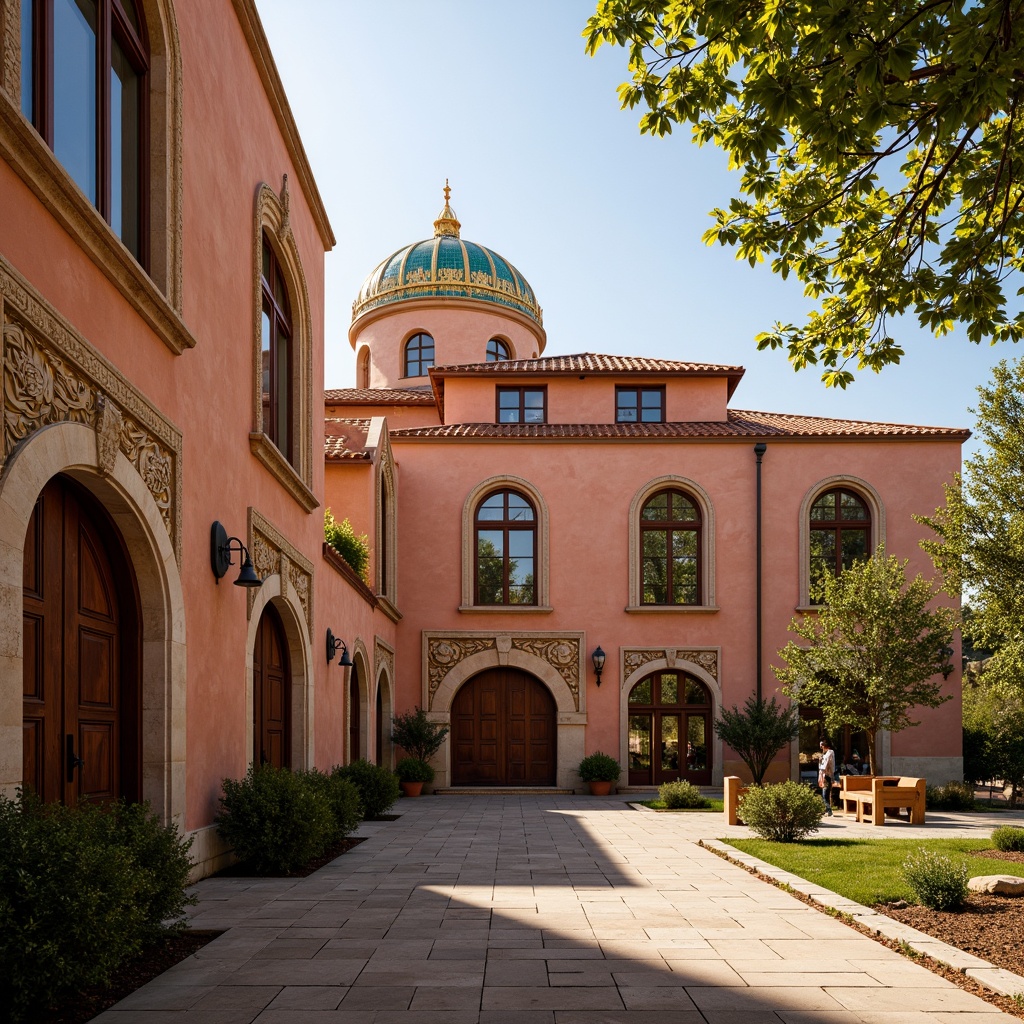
(546, 910)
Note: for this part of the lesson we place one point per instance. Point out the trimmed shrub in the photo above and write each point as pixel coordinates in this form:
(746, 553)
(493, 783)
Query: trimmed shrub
(939, 882)
(783, 812)
(1009, 839)
(277, 820)
(418, 736)
(953, 796)
(412, 769)
(343, 798)
(599, 767)
(82, 890)
(681, 794)
(355, 549)
(378, 788)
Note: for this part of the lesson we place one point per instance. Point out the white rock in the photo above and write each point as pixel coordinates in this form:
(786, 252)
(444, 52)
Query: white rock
(1004, 885)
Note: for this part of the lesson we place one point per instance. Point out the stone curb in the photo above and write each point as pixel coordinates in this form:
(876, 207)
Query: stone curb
(1005, 983)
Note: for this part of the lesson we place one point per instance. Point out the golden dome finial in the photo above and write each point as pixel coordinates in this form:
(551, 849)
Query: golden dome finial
(447, 223)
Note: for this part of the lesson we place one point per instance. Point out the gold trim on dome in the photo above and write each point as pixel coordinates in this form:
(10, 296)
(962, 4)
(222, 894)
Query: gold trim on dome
(447, 223)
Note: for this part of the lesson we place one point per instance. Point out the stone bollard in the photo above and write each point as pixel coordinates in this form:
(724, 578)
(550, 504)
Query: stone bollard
(734, 789)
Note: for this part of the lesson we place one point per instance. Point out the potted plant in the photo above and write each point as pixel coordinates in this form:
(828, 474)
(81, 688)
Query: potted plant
(419, 737)
(600, 771)
(412, 773)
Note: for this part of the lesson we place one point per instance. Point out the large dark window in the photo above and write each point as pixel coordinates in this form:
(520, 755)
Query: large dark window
(84, 82)
(506, 550)
(670, 541)
(522, 405)
(640, 405)
(276, 355)
(419, 355)
(840, 534)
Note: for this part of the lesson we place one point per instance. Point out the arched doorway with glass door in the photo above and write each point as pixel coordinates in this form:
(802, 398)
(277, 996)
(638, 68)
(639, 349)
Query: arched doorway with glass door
(669, 730)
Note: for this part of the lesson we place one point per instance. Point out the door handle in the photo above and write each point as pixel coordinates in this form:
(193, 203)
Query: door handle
(71, 759)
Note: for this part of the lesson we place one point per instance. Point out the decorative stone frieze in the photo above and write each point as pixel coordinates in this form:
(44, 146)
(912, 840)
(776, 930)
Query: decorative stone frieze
(634, 658)
(561, 653)
(273, 555)
(51, 374)
(444, 653)
(383, 655)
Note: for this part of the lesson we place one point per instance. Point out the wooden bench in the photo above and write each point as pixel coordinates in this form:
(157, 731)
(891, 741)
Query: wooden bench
(874, 795)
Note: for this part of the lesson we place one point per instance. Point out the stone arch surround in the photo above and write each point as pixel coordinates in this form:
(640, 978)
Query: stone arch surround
(481, 651)
(71, 448)
(639, 663)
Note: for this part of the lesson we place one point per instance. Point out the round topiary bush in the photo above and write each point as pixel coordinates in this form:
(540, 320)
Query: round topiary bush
(1009, 839)
(599, 767)
(783, 812)
(682, 794)
(939, 882)
(412, 769)
(378, 787)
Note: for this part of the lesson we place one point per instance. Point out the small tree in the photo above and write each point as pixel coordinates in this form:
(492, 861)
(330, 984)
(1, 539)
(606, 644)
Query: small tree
(994, 731)
(871, 653)
(354, 549)
(417, 735)
(758, 732)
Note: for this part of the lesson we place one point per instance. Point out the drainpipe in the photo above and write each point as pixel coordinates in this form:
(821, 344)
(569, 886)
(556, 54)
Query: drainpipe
(759, 449)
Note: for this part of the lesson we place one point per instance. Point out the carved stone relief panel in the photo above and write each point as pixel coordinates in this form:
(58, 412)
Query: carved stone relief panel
(53, 375)
(444, 653)
(635, 658)
(273, 555)
(384, 656)
(563, 653)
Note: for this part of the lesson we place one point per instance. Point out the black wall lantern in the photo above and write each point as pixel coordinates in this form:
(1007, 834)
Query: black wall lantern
(334, 644)
(598, 658)
(221, 548)
(947, 666)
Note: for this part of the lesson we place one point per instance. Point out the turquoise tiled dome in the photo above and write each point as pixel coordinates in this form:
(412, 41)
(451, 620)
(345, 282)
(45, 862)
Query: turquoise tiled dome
(447, 266)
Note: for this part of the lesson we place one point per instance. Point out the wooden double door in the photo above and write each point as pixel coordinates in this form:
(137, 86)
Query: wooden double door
(81, 709)
(503, 731)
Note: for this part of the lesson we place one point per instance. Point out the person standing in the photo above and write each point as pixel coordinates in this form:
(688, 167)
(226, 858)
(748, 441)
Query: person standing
(826, 773)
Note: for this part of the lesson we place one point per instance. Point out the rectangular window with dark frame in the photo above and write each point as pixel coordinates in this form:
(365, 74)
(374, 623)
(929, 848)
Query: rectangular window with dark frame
(640, 405)
(522, 405)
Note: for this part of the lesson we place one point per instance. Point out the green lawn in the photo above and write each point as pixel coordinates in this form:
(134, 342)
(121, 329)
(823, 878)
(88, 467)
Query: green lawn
(865, 870)
(658, 805)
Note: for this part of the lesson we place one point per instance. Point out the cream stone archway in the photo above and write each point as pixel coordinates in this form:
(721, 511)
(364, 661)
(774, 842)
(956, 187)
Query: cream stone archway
(702, 663)
(383, 686)
(361, 712)
(71, 448)
(452, 658)
(300, 661)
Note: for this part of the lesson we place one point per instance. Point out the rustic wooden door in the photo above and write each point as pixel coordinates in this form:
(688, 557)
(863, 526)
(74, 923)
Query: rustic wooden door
(81, 724)
(271, 692)
(353, 715)
(503, 731)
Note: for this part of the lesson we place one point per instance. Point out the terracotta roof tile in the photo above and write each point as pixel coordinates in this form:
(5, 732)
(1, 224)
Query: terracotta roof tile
(379, 396)
(346, 438)
(739, 424)
(588, 362)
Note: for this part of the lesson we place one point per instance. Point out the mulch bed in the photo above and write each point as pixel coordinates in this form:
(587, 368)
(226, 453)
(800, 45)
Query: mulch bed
(152, 961)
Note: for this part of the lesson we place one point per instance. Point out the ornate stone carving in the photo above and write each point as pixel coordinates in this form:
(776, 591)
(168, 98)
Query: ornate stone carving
(273, 555)
(52, 375)
(109, 423)
(383, 655)
(10, 30)
(444, 653)
(562, 653)
(675, 657)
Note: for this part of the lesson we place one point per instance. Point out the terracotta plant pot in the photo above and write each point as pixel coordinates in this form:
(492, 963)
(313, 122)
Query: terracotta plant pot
(412, 788)
(600, 788)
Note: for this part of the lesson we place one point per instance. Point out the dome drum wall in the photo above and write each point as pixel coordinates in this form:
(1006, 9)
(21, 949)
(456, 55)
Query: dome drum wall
(461, 331)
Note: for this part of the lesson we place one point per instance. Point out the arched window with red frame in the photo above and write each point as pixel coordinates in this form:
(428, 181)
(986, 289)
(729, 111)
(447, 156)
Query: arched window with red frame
(84, 87)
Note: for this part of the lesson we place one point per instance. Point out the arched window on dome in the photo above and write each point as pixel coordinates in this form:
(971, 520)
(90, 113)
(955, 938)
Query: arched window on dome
(419, 355)
(498, 350)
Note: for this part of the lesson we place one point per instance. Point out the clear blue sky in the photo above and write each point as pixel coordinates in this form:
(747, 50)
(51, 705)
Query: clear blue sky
(606, 224)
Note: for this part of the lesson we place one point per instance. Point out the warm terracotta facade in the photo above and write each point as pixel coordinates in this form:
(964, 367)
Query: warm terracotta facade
(138, 385)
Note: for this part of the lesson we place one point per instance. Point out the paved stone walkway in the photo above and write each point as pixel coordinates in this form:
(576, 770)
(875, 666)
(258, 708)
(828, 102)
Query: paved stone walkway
(540, 910)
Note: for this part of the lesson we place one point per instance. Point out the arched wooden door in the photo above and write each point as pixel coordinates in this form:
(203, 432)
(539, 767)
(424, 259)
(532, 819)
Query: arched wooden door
(503, 731)
(353, 714)
(81, 710)
(669, 730)
(271, 693)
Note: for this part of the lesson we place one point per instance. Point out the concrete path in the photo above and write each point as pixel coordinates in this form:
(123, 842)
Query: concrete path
(540, 910)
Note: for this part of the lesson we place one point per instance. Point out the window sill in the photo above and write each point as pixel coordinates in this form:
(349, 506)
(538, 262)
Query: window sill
(803, 609)
(388, 608)
(36, 165)
(268, 453)
(672, 609)
(508, 609)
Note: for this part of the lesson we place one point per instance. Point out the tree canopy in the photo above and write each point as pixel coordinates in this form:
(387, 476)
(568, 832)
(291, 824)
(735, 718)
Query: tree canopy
(980, 529)
(758, 732)
(878, 146)
(870, 654)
